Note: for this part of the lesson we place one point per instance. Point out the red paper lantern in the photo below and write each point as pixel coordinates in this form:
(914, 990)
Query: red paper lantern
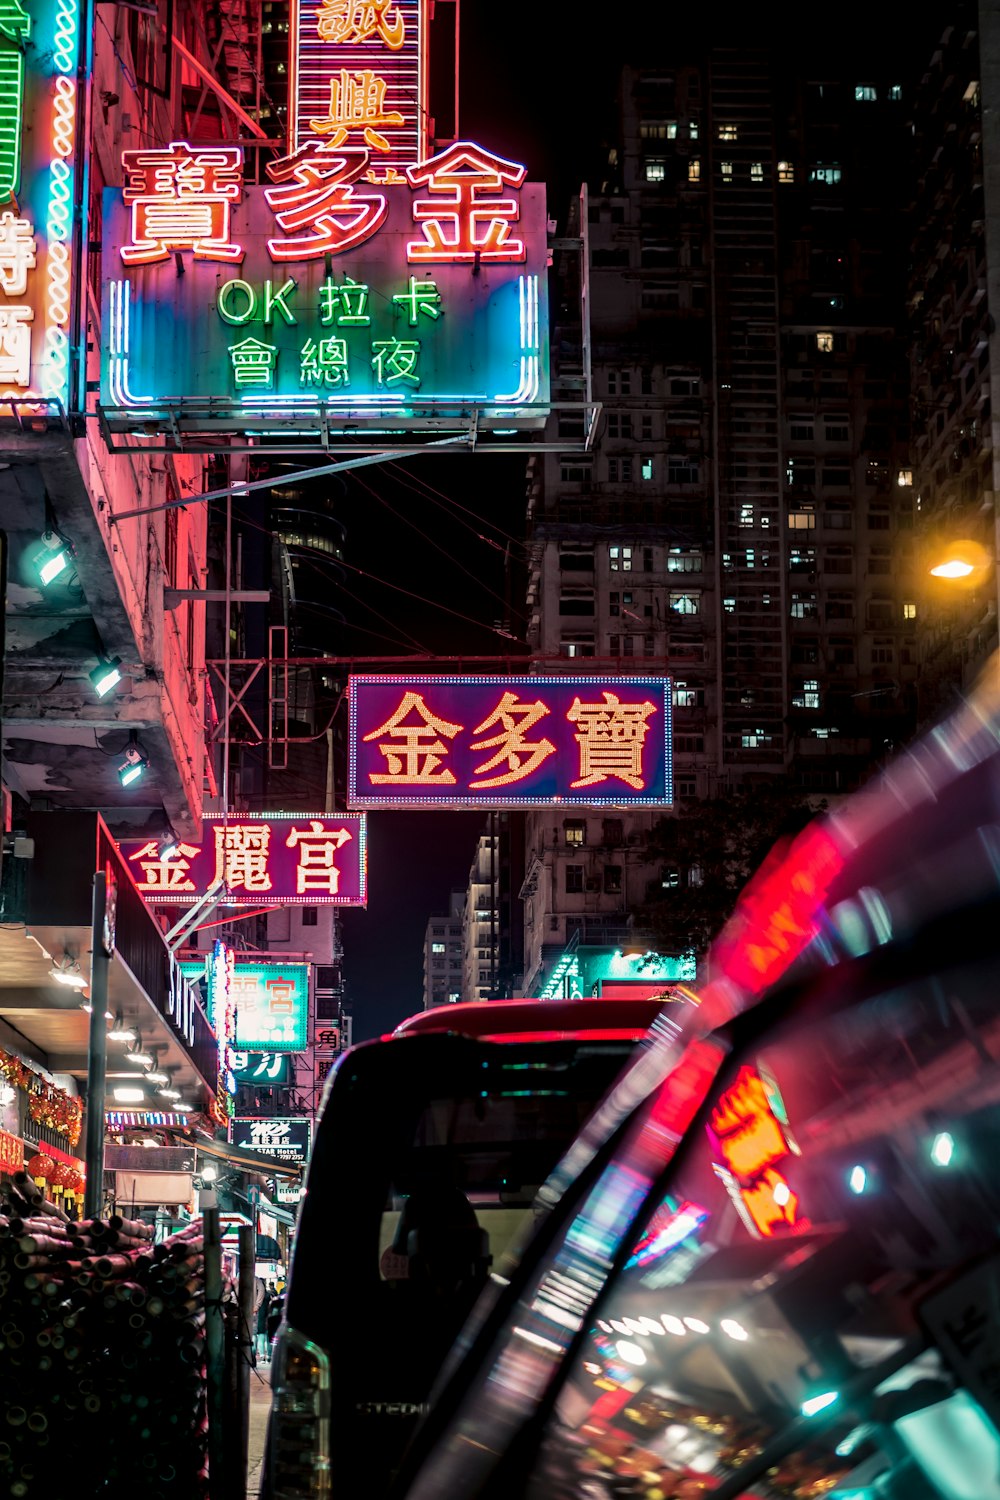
(78, 1183)
(61, 1176)
(41, 1168)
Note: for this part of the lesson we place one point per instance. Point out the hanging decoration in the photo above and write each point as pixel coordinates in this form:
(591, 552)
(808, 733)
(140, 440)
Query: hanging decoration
(48, 1104)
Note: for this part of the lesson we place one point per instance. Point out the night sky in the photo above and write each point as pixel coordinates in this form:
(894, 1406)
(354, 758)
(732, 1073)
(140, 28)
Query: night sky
(537, 86)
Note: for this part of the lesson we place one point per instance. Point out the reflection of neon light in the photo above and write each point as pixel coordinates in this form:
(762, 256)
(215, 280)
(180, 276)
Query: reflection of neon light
(688, 1218)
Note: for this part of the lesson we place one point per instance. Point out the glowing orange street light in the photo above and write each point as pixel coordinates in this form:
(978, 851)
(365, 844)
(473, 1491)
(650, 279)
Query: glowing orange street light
(961, 561)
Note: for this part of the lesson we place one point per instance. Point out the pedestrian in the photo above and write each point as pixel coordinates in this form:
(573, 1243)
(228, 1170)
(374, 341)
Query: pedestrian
(274, 1313)
(261, 1324)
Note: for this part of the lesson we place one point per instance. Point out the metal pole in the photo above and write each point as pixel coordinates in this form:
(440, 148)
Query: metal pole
(248, 1245)
(215, 1346)
(97, 1054)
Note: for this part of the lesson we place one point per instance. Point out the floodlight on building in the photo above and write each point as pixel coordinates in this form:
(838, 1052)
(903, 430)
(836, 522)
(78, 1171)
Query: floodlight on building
(119, 1032)
(125, 1095)
(67, 971)
(106, 675)
(135, 763)
(54, 559)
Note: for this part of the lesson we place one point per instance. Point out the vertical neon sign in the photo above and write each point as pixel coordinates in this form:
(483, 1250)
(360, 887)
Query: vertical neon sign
(39, 54)
(358, 80)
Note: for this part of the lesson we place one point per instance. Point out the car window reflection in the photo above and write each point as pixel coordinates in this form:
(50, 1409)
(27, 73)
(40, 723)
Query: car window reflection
(812, 1309)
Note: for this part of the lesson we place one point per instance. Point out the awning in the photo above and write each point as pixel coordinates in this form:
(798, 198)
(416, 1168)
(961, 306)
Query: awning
(250, 1161)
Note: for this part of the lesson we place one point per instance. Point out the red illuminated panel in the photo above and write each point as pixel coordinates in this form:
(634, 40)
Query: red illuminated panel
(751, 1147)
(358, 80)
(275, 859)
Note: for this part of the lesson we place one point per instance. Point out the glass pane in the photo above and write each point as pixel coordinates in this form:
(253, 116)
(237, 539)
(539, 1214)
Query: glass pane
(812, 1308)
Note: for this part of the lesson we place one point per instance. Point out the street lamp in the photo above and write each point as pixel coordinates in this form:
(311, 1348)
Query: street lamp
(964, 561)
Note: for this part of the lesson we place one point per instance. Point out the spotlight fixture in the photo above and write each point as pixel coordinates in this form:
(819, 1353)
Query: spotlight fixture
(68, 972)
(54, 559)
(157, 1075)
(139, 1057)
(119, 1032)
(169, 1093)
(183, 1109)
(126, 1095)
(209, 1172)
(135, 762)
(106, 675)
(86, 1005)
(168, 845)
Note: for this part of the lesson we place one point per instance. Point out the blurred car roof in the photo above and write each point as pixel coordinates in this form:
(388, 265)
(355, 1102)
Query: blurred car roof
(546, 1020)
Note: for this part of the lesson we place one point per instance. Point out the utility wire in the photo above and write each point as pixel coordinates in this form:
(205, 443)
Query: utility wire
(427, 491)
(407, 521)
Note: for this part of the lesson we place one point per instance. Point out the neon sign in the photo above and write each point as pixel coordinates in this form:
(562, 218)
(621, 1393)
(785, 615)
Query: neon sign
(508, 741)
(38, 84)
(280, 859)
(366, 299)
(751, 1144)
(358, 79)
(266, 1003)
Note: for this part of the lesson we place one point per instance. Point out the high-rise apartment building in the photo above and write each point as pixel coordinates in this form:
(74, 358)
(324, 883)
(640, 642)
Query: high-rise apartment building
(443, 943)
(744, 519)
(481, 922)
(954, 358)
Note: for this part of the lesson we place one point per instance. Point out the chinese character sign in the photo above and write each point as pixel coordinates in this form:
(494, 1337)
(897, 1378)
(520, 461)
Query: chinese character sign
(271, 1001)
(754, 1149)
(39, 54)
(283, 1139)
(263, 1069)
(509, 741)
(325, 286)
(268, 1005)
(281, 859)
(358, 79)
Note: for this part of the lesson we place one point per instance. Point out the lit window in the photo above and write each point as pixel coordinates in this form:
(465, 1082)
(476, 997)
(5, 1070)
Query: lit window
(693, 130)
(646, 469)
(657, 130)
(746, 514)
(576, 645)
(803, 607)
(786, 171)
(685, 604)
(752, 739)
(694, 170)
(726, 168)
(688, 697)
(729, 605)
(807, 696)
(824, 343)
(576, 831)
(437, 947)
(801, 520)
(728, 132)
(909, 611)
(904, 478)
(684, 562)
(756, 171)
(865, 93)
(656, 169)
(825, 176)
(620, 559)
(895, 92)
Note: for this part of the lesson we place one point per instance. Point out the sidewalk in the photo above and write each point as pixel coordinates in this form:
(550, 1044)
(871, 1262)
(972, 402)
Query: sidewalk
(260, 1406)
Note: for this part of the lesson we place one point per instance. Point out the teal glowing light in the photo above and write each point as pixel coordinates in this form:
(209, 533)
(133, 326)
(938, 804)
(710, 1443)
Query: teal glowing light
(54, 565)
(814, 1404)
(858, 1179)
(943, 1149)
(132, 773)
(105, 676)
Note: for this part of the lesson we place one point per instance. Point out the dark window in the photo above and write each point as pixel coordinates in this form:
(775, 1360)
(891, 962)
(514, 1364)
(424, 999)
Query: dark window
(613, 880)
(574, 879)
(310, 916)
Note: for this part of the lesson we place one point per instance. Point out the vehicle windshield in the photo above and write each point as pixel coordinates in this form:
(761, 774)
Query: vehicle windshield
(812, 1308)
(428, 1157)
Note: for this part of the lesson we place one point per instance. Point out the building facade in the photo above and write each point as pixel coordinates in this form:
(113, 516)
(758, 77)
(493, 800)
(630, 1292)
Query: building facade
(744, 520)
(443, 947)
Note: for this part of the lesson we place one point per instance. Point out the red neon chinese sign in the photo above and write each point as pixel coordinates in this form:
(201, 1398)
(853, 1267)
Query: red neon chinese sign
(182, 198)
(358, 79)
(280, 859)
(751, 1145)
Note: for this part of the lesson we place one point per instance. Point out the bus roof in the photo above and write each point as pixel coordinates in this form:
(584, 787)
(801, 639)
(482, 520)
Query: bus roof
(544, 1020)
